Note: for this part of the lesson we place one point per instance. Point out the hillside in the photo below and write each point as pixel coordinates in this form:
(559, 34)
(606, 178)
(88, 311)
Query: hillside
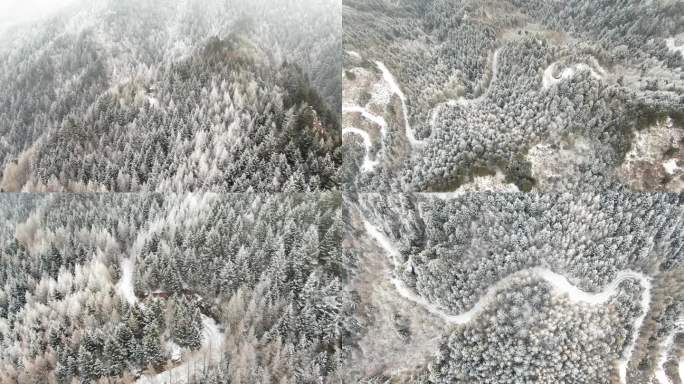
(168, 97)
(514, 95)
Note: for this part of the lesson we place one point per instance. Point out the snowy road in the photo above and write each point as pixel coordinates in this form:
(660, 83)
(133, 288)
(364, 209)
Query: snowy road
(379, 120)
(125, 285)
(194, 363)
(396, 89)
(368, 164)
(559, 283)
(208, 354)
(666, 345)
(549, 80)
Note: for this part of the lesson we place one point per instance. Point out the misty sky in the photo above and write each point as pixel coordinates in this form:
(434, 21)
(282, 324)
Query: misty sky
(19, 11)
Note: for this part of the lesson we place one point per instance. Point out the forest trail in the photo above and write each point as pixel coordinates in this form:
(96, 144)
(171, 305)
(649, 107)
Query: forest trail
(368, 164)
(559, 283)
(208, 354)
(125, 285)
(383, 312)
(396, 89)
(462, 100)
(379, 120)
(194, 363)
(666, 345)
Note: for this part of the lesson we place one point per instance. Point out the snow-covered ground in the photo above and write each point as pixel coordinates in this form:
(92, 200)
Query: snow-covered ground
(665, 346)
(548, 79)
(125, 285)
(379, 120)
(354, 54)
(368, 164)
(673, 46)
(671, 166)
(396, 89)
(559, 283)
(208, 354)
(192, 363)
(152, 100)
(488, 183)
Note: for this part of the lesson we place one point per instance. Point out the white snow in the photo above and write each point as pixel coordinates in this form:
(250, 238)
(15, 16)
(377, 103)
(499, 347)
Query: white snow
(368, 164)
(212, 337)
(379, 120)
(175, 351)
(660, 374)
(601, 71)
(354, 54)
(671, 166)
(125, 285)
(559, 283)
(152, 100)
(194, 362)
(462, 100)
(488, 183)
(208, 354)
(671, 45)
(549, 80)
(394, 87)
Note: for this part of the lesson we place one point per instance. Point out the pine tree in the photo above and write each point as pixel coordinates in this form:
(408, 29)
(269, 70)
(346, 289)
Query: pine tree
(186, 325)
(115, 356)
(151, 345)
(89, 367)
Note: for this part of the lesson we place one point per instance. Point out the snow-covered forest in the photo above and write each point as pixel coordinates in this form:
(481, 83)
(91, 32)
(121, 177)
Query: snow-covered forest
(217, 288)
(172, 96)
(525, 95)
(341, 191)
(530, 288)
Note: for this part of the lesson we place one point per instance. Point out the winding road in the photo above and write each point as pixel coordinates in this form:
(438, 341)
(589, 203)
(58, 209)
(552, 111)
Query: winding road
(660, 374)
(379, 120)
(396, 89)
(368, 164)
(559, 283)
(212, 338)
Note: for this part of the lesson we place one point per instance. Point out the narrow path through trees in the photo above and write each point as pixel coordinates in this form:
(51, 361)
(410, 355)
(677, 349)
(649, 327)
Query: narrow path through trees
(208, 354)
(559, 283)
